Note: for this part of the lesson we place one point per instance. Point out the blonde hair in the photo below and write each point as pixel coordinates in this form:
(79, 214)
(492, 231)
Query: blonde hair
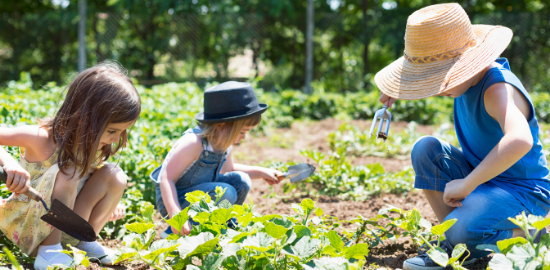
(228, 132)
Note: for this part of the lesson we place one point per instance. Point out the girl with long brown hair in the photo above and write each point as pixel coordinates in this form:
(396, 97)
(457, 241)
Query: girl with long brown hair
(64, 158)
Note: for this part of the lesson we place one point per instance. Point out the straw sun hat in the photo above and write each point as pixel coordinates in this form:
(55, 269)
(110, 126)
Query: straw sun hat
(442, 50)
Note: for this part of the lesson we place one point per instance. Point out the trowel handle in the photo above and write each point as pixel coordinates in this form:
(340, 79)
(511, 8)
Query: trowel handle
(31, 193)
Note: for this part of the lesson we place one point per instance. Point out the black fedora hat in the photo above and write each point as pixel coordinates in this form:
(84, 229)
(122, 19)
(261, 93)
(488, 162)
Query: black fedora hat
(229, 101)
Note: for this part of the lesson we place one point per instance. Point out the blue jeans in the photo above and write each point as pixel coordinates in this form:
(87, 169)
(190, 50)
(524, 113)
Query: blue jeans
(483, 217)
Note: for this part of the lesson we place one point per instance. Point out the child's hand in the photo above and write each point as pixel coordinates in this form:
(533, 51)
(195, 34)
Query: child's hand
(119, 213)
(185, 230)
(19, 180)
(386, 100)
(272, 177)
(456, 191)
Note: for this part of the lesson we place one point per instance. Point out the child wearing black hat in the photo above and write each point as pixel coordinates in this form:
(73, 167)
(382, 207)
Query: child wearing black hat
(201, 159)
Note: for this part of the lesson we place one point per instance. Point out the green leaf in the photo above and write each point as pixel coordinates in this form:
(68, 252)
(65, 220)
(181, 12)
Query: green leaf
(523, 257)
(325, 263)
(147, 211)
(78, 255)
(335, 241)
(220, 216)
(261, 242)
(458, 250)
(125, 255)
(139, 228)
(190, 245)
(329, 250)
(506, 245)
(134, 240)
(159, 247)
(306, 247)
(275, 231)
(302, 231)
(319, 212)
(202, 217)
(197, 196)
(440, 229)
(439, 256)
(298, 209)
(231, 249)
(500, 262)
(12, 259)
(357, 251)
(541, 224)
(245, 220)
(178, 220)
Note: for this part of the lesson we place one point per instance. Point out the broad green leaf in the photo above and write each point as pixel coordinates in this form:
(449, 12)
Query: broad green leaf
(506, 245)
(158, 249)
(225, 204)
(275, 231)
(425, 224)
(238, 210)
(242, 236)
(139, 228)
(458, 250)
(125, 256)
(147, 211)
(134, 240)
(523, 257)
(231, 249)
(357, 251)
(245, 220)
(283, 222)
(190, 244)
(439, 256)
(335, 241)
(413, 216)
(492, 248)
(306, 247)
(202, 217)
(325, 263)
(197, 196)
(173, 236)
(178, 220)
(213, 261)
(220, 216)
(265, 218)
(301, 231)
(260, 242)
(541, 224)
(329, 250)
(500, 262)
(319, 212)
(78, 255)
(443, 227)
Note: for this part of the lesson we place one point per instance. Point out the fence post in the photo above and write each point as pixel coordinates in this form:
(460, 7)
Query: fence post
(82, 35)
(309, 47)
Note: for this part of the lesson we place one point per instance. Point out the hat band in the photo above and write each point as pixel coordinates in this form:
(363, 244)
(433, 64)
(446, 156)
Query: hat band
(211, 116)
(441, 56)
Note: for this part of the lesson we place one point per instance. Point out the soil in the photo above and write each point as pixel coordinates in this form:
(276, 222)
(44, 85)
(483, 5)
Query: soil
(284, 145)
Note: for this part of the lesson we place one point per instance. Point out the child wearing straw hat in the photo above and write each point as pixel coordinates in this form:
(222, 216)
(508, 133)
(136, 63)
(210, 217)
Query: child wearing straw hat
(501, 170)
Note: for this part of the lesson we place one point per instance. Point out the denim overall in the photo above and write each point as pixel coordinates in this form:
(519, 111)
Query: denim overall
(204, 174)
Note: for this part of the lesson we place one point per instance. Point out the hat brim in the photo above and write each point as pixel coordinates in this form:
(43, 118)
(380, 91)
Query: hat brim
(262, 107)
(405, 80)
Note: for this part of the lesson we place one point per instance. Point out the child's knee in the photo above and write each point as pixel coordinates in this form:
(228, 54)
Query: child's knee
(245, 181)
(423, 144)
(113, 176)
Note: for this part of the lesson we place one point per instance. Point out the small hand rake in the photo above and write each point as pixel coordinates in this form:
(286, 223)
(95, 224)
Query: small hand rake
(385, 116)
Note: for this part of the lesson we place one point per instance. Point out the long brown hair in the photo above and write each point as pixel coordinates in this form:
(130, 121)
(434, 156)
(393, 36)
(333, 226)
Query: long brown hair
(98, 96)
(228, 132)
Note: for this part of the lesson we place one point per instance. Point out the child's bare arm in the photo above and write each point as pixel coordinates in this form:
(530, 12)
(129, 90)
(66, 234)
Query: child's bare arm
(255, 172)
(30, 137)
(509, 108)
(184, 153)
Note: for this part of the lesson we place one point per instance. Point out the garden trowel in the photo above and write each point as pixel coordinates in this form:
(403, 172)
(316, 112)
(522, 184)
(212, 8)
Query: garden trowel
(299, 172)
(61, 216)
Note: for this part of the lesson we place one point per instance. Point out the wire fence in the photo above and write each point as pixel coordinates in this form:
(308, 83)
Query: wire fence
(183, 47)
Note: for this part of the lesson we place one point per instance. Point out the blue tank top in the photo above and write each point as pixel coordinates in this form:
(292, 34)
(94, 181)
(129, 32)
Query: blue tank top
(478, 133)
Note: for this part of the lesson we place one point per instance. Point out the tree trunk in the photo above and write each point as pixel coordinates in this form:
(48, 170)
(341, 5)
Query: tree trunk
(366, 39)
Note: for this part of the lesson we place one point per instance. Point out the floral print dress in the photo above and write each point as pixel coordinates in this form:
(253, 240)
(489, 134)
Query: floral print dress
(20, 216)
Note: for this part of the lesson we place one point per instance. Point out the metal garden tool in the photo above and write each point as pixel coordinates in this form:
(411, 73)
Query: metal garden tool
(299, 172)
(60, 216)
(383, 129)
